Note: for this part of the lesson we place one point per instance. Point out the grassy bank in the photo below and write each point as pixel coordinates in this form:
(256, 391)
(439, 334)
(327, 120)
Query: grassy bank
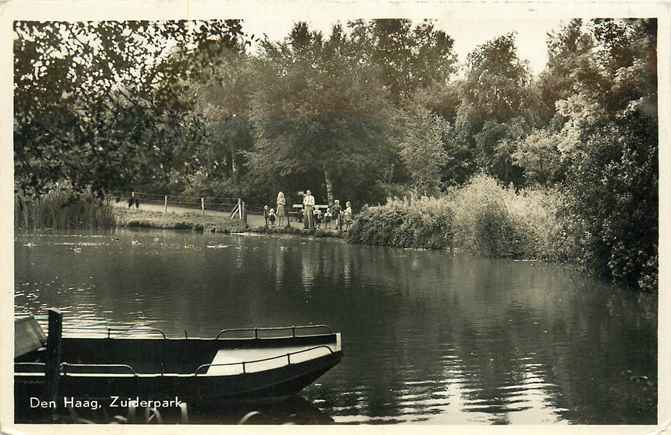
(139, 218)
(481, 218)
(72, 211)
(321, 233)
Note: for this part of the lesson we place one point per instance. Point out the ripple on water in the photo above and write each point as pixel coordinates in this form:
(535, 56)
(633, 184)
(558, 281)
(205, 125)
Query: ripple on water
(452, 345)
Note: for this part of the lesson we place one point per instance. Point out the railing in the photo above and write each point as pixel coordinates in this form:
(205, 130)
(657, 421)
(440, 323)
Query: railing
(257, 332)
(43, 366)
(143, 328)
(106, 331)
(244, 364)
(273, 328)
(193, 202)
(65, 365)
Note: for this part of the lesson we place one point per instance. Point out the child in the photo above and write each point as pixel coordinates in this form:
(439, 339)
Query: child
(327, 217)
(337, 215)
(271, 216)
(318, 217)
(265, 214)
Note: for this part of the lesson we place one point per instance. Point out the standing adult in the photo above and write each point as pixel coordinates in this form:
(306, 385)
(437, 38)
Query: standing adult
(348, 215)
(308, 207)
(281, 202)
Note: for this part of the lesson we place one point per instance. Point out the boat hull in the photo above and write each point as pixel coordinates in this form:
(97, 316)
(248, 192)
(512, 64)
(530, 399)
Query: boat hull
(272, 384)
(198, 372)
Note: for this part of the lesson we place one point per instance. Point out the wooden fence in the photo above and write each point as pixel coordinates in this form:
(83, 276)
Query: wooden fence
(235, 206)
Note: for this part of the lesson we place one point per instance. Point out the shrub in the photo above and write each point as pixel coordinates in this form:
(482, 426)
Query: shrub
(481, 217)
(407, 223)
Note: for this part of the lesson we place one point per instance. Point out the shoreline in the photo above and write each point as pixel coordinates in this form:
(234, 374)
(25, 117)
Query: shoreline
(219, 222)
(210, 223)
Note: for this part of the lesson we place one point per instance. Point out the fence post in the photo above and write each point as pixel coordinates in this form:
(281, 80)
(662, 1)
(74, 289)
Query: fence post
(244, 212)
(165, 204)
(202, 205)
(54, 352)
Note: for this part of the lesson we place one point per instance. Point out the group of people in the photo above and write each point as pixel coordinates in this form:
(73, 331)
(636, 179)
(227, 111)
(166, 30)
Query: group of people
(271, 215)
(312, 215)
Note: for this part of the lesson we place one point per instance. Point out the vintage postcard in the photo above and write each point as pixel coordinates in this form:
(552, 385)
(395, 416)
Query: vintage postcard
(404, 216)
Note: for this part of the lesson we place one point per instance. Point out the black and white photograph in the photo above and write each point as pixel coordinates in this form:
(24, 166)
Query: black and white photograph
(418, 215)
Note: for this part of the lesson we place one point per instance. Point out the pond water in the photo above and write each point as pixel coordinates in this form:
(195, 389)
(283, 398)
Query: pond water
(427, 337)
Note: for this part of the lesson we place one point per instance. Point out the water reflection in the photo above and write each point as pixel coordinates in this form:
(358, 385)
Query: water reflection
(427, 337)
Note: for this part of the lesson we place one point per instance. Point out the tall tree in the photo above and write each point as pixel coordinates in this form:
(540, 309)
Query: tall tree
(569, 59)
(495, 97)
(611, 146)
(320, 110)
(422, 148)
(496, 84)
(410, 58)
(224, 97)
(101, 104)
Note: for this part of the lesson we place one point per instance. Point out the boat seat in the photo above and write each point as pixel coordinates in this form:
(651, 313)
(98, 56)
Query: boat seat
(272, 357)
(28, 336)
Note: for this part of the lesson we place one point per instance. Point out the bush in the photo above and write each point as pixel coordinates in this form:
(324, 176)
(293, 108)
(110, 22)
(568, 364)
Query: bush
(613, 183)
(406, 223)
(481, 217)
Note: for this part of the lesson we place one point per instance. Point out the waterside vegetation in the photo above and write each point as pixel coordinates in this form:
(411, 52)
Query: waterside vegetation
(62, 210)
(481, 218)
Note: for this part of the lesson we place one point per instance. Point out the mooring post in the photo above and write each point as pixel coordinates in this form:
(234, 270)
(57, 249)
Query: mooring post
(54, 353)
(202, 205)
(165, 204)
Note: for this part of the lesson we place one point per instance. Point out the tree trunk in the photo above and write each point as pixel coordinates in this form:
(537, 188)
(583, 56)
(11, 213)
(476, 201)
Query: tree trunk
(329, 187)
(234, 167)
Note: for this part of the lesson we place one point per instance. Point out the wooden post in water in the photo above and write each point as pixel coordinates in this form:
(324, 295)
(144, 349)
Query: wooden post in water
(244, 213)
(54, 353)
(165, 204)
(202, 205)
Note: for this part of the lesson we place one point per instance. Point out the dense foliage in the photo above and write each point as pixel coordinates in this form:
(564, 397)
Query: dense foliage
(480, 217)
(103, 105)
(562, 165)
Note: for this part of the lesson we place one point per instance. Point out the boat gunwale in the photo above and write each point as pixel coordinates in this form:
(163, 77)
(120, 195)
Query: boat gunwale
(333, 353)
(144, 332)
(63, 365)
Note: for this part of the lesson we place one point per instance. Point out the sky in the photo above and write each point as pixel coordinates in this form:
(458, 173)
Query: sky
(467, 33)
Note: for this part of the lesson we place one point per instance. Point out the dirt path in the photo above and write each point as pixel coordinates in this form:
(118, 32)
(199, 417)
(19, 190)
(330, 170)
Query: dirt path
(253, 220)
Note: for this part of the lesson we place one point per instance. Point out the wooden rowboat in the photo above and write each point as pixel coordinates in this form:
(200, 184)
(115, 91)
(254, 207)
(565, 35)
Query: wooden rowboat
(235, 365)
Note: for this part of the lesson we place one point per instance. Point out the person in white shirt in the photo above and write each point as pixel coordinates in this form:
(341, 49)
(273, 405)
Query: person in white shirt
(308, 207)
